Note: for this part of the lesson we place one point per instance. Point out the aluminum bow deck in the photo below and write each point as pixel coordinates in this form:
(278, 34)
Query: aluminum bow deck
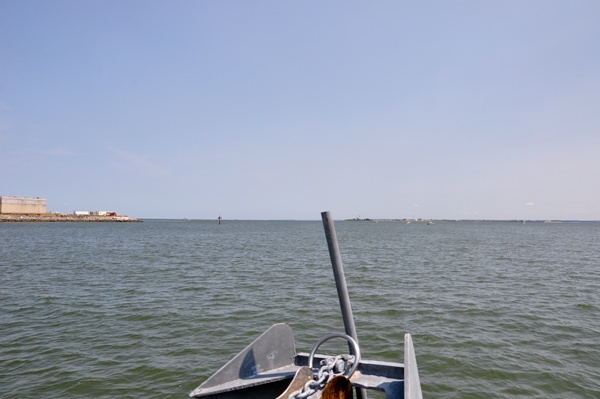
(266, 366)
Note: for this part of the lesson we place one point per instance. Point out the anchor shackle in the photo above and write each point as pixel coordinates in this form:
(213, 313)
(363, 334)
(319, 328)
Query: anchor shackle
(337, 335)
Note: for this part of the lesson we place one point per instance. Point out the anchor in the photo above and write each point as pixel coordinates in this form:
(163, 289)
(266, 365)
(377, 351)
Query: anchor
(327, 384)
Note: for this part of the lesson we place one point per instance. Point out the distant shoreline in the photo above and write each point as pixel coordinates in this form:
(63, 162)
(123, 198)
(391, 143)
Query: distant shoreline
(468, 220)
(44, 218)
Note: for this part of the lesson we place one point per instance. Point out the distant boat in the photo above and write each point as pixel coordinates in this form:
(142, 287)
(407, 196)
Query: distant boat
(523, 222)
(430, 223)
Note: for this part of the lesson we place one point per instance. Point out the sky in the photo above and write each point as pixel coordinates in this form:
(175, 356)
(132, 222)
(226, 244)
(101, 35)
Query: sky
(285, 109)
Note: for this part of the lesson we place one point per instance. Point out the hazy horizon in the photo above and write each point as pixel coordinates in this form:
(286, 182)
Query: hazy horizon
(378, 219)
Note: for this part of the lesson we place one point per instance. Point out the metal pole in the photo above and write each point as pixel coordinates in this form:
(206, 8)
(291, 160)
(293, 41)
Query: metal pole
(340, 283)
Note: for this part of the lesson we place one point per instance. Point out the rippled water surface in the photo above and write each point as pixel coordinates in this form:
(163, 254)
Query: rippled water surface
(132, 310)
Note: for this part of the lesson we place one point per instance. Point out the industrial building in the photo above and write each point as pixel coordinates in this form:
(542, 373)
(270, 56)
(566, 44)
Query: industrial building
(22, 205)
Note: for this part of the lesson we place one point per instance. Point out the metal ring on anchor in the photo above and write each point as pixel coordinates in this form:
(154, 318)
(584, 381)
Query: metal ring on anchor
(334, 335)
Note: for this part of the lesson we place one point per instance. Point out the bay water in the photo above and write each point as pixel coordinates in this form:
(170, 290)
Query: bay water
(151, 310)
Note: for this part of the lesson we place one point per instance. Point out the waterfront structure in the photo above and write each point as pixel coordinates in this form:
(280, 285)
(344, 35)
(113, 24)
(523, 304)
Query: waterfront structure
(22, 205)
(103, 213)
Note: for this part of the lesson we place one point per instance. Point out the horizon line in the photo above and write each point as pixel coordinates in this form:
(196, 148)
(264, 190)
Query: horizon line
(385, 220)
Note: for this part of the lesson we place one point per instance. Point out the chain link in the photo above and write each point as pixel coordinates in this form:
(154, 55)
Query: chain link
(330, 367)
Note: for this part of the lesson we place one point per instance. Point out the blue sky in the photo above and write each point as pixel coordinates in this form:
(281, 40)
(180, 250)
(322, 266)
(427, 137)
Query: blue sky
(281, 110)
